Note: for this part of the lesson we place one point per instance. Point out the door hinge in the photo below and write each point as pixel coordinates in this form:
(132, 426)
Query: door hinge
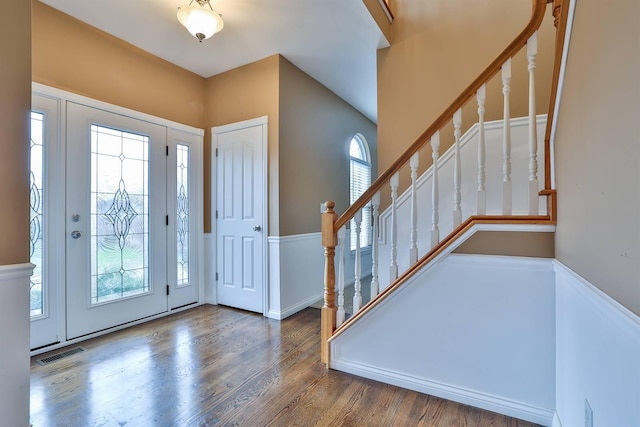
(216, 152)
(216, 276)
(167, 289)
(167, 150)
(216, 214)
(167, 220)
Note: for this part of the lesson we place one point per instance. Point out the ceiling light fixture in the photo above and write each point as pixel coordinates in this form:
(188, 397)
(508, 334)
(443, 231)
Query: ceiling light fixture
(201, 22)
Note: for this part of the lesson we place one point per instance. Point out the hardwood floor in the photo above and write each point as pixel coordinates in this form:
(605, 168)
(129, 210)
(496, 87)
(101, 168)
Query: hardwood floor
(219, 366)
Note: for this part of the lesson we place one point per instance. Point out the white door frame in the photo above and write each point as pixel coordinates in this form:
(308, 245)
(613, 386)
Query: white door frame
(215, 131)
(62, 97)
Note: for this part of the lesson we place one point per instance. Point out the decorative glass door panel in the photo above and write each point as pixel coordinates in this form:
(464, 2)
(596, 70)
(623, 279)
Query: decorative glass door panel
(116, 209)
(182, 214)
(119, 214)
(182, 267)
(36, 224)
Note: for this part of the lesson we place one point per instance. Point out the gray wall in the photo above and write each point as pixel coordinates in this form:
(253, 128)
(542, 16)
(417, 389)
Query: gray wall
(316, 127)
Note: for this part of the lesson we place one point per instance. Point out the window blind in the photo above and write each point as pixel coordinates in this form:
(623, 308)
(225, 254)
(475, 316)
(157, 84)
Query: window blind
(360, 175)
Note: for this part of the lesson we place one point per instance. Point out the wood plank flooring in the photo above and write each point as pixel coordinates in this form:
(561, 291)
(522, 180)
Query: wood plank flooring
(213, 366)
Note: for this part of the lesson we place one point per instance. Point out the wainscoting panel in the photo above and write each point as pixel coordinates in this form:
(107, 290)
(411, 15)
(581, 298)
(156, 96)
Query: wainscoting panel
(597, 355)
(296, 269)
(296, 272)
(14, 335)
(474, 329)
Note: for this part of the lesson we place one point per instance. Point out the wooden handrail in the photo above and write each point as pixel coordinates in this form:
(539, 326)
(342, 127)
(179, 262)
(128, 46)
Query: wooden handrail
(539, 8)
(436, 250)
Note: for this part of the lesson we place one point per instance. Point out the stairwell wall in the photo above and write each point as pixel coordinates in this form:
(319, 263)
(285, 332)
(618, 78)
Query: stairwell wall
(598, 151)
(316, 127)
(438, 48)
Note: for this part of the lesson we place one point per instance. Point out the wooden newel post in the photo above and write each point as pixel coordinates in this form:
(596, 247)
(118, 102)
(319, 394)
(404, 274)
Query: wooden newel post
(328, 313)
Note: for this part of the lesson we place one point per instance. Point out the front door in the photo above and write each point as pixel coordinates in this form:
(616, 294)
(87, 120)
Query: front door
(240, 218)
(116, 215)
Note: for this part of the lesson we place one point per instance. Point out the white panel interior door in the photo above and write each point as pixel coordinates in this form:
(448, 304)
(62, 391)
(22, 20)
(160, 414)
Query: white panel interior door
(115, 220)
(240, 223)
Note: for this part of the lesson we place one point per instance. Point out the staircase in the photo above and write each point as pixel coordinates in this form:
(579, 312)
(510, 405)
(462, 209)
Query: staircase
(498, 177)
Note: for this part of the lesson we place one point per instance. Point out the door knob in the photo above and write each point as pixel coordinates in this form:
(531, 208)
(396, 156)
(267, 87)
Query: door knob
(76, 234)
(257, 228)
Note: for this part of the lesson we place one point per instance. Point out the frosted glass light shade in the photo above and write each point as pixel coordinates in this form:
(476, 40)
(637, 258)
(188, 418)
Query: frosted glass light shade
(200, 22)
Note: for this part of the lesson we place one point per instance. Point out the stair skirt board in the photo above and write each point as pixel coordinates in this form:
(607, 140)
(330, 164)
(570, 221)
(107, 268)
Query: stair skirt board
(457, 394)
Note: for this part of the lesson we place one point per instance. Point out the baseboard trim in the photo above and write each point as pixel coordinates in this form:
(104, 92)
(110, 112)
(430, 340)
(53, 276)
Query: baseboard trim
(457, 394)
(209, 300)
(283, 314)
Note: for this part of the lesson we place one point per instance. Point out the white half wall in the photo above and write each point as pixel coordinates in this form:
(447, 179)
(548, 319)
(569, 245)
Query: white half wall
(14, 336)
(296, 269)
(474, 329)
(296, 272)
(597, 355)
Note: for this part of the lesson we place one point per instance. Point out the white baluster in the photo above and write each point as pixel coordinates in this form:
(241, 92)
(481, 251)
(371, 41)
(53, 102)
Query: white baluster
(435, 197)
(375, 284)
(482, 192)
(340, 315)
(357, 296)
(532, 52)
(506, 141)
(393, 269)
(457, 167)
(413, 248)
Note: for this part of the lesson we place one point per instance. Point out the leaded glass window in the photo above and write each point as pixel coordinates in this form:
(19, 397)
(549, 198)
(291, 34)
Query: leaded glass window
(36, 225)
(182, 214)
(119, 214)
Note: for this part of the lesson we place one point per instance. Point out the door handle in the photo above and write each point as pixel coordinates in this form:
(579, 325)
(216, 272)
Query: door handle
(257, 228)
(76, 234)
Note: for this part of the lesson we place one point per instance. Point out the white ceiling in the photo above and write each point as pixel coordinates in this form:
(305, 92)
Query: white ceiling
(334, 41)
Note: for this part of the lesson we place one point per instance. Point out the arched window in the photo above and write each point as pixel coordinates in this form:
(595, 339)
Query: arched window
(359, 181)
